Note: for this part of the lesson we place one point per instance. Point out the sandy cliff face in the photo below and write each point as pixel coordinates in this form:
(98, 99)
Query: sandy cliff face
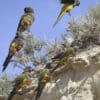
(79, 80)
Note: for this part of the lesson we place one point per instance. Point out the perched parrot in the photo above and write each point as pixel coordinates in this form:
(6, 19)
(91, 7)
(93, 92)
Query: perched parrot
(19, 82)
(63, 58)
(26, 20)
(67, 7)
(15, 46)
(43, 79)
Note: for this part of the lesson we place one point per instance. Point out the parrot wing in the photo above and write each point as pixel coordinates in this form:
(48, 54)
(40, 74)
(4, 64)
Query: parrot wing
(66, 1)
(20, 23)
(15, 45)
(8, 58)
(25, 22)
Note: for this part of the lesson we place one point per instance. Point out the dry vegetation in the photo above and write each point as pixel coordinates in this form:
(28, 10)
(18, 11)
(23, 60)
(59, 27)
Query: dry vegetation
(85, 33)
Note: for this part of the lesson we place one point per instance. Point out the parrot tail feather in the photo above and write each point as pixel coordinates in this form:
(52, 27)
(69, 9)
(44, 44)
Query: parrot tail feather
(58, 19)
(5, 64)
(39, 91)
(62, 12)
(11, 95)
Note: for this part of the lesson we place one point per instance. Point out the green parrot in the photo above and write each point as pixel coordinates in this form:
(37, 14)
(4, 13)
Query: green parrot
(26, 20)
(15, 46)
(43, 79)
(18, 84)
(63, 58)
(67, 7)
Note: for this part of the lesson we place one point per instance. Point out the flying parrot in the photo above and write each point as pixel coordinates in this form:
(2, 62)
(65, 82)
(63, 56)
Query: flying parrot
(26, 20)
(67, 7)
(63, 58)
(18, 84)
(43, 79)
(15, 46)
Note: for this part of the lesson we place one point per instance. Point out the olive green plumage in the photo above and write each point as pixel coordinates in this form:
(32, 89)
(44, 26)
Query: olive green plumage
(26, 20)
(66, 8)
(43, 79)
(62, 58)
(18, 83)
(15, 46)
